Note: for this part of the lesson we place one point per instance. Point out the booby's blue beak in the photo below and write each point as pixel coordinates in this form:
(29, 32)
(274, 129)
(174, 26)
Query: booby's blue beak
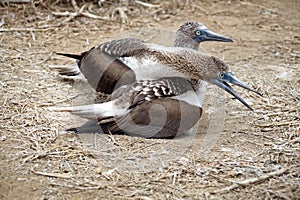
(225, 78)
(202, 35)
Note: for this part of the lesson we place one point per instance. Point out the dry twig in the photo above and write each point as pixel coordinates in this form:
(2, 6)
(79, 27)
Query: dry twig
(250, 181)
(27, 29)
(149, 5)
(56, 175)
(17, 1)
(78, 12)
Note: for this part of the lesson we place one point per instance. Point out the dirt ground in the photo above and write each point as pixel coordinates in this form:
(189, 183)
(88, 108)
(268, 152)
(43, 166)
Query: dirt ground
(256, 155)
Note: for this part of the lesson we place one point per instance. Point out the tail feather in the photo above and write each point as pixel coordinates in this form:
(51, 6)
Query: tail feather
(93, 111)
(75, 56)
(86, 111)
(66, 70)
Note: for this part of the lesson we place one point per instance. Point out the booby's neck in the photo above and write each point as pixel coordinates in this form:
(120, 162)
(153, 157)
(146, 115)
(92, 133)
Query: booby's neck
(181, 40)
(199, 87)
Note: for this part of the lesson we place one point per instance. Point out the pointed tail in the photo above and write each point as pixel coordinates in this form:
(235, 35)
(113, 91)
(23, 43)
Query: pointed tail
(66, 70)
(94, 111)
(75, 56)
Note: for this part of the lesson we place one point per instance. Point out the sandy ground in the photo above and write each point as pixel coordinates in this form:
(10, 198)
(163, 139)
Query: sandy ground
(254, 156)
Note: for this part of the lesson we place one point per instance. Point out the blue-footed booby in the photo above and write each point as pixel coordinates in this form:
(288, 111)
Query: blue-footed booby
(135, 105)
(189, 35)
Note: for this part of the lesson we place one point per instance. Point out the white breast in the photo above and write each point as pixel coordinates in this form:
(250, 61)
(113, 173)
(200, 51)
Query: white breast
(194, 98)
(147, 68)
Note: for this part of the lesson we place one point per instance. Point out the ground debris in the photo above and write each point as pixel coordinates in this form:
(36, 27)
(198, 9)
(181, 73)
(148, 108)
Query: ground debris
(255, 156)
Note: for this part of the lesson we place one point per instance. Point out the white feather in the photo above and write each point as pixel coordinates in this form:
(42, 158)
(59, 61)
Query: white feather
(194, 98)
(147, 68)
(95, 111)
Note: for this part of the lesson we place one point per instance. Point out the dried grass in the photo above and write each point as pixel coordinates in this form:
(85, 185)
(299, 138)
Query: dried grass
(254, 159)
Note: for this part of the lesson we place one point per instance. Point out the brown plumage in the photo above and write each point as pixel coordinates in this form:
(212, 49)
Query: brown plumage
(148, 109)
(180, 62)
(135, 99)
(160, 118)
(189, 35)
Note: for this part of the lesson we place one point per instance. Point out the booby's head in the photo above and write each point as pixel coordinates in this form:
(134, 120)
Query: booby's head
(191, 34)
(219, 74)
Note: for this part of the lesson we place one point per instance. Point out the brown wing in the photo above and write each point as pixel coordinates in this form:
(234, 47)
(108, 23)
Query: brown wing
(160, 118)
(101, 66)
(104, 72)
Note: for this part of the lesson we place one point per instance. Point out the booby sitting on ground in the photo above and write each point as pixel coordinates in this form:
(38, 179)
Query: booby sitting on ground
(140, 59)
(189, 35)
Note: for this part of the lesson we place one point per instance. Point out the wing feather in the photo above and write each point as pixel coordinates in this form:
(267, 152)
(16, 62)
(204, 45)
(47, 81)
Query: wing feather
(160, 118)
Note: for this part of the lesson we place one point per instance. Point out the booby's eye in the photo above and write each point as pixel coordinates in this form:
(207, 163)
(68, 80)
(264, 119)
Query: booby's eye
(221, 75)
(197, 32)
